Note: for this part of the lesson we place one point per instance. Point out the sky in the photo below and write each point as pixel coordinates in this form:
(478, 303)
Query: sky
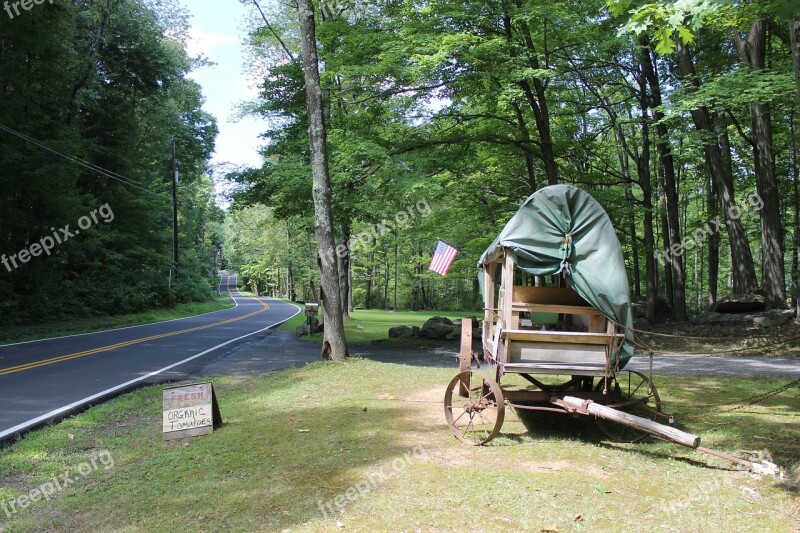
(217, 31)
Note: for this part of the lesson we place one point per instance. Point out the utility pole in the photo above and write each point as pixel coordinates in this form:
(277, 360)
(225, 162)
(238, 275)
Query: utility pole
(174, 209)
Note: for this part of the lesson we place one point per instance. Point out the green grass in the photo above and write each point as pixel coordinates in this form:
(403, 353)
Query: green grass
(372, 325)
(307, 436)
(9, 334)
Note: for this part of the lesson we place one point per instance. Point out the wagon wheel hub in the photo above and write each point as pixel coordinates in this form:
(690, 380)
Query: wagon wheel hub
(478, 407)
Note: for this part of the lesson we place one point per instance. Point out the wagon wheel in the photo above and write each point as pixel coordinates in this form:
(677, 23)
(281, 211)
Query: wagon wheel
(477, 418)
(634, 393)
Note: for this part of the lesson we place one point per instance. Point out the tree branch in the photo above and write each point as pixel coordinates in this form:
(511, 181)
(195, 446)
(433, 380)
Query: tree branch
(272, 30)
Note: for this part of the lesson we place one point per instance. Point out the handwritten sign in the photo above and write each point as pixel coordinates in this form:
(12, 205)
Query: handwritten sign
(190, 411)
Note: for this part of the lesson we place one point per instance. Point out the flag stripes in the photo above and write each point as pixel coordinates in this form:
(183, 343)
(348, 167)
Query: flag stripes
(442, 258)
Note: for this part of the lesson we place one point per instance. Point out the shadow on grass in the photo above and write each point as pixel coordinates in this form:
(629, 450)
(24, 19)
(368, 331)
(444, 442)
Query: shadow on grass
(739, 433)
(268, 467)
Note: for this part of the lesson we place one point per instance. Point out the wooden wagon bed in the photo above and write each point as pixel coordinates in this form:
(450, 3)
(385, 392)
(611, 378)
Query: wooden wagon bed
(544, 330)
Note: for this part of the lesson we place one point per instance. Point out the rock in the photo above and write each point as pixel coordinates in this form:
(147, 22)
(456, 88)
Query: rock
(663, 309)
(740, 303)
(436, 327)
(766, 319)
(774, 317)
(415, 331)
(455, 334)
(400, 331)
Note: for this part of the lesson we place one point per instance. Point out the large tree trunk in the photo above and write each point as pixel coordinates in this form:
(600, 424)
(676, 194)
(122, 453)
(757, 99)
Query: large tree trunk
(670, 183)
(387, 270)
(714, 207)
(796, 220)
(343, 267)
(713, 245)
(290, 274)
(535, 96)
(743, 271)
(773, 273)
(651, 287)
(350, 304)
(645, 182)
(370, 277)
(394, 301)
(334, 346)
(794, 35)
(637, 276)
(752, 54)
(668, 291)
(527, 153)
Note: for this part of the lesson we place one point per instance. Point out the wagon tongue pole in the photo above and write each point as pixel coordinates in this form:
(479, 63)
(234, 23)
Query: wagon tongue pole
(588, 407)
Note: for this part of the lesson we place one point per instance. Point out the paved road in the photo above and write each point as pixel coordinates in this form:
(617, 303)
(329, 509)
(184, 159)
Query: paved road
(275, 350)
(445, 355)
(44, 380)
(725, 367)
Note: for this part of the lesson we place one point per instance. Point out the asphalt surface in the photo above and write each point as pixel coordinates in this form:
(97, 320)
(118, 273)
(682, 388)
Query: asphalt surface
(274, 350)
(725, 367)
(45, 380)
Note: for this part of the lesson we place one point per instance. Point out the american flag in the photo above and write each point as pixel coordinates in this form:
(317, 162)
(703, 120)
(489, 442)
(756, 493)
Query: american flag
(443, 258)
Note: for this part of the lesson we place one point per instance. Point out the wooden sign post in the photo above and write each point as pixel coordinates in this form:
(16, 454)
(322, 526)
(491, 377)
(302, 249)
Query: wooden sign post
(190, 411)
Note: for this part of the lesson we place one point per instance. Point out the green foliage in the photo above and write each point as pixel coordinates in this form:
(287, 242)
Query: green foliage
(667, 20)
(102, 82)
(738, 88)
(445, 102)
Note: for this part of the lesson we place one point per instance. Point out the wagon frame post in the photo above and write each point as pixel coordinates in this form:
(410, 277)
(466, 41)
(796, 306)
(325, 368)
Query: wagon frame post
(465, 355)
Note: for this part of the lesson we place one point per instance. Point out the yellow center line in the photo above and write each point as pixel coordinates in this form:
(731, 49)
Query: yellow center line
(44, 362)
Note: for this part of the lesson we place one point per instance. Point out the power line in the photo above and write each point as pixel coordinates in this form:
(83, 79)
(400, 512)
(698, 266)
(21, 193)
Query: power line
(100, 170)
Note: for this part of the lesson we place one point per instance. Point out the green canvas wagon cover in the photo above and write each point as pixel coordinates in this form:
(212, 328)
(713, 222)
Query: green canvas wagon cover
(561, 228)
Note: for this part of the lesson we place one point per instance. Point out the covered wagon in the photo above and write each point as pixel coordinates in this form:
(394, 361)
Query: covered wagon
(571, 338)
(561, 347)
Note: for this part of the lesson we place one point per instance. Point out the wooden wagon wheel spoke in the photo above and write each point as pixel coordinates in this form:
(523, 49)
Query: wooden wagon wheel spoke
(634, 391)
(628, 395)
(459, 416)
(482, 418)
(484, 407)
(469, 426)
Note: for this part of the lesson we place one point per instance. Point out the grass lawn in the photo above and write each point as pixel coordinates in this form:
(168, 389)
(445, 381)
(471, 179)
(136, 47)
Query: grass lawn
(369, 439)
(369, 325)
(72, 326)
